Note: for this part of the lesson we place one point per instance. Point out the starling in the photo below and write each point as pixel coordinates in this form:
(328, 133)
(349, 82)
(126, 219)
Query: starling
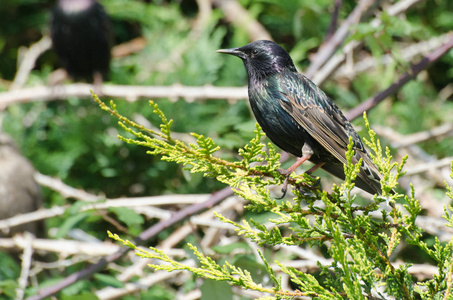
(19, 192)
(299, 117)
(81, 37)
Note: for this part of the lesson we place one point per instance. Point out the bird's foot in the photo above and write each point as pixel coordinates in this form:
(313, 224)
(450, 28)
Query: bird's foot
(307, 189)
(284, 188)
(317, 180)
(286, 174)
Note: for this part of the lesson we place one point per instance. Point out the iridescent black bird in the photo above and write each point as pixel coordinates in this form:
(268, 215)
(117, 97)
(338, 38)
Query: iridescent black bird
(299, 117)
(81, 37)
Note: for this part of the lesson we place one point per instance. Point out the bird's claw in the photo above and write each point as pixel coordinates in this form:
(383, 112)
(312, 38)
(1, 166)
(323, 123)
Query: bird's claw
(284, 189)
(284, 172)
(317, 183)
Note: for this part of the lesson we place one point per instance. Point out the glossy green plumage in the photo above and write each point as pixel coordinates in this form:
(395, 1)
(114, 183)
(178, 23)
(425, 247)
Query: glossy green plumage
(294, 112)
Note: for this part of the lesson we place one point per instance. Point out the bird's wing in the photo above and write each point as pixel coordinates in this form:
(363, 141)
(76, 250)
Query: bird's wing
(321, 118)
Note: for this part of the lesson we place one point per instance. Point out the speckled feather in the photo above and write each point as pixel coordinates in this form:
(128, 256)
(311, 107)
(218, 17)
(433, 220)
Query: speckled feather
(293, 111)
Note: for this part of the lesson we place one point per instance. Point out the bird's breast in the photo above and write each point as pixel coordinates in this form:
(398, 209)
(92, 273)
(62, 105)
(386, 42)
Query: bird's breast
(278, 125)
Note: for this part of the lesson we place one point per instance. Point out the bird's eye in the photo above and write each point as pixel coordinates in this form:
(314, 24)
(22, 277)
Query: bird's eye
(255, 51)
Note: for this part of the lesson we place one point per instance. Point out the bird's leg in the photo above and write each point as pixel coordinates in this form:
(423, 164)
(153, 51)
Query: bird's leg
(97, 82)
(307, 152)
(314, 168)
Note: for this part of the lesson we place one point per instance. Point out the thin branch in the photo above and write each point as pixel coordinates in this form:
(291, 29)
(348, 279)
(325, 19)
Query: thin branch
(446, 92)
(407, 54)
(37, 215)
(62, 247)
(70, 192)
(175, 238)
(147, 234)
(129, 47)
(27, 257)
(430, 166)
(28, 62)
(417, 156)
(328, 67)
(414, 151)
(237, 15)
(405, 78)
(129, 92)
(65, 190)
(327, 49)
(143, 283)
(334, 19)
(204, 14)
(422, 136)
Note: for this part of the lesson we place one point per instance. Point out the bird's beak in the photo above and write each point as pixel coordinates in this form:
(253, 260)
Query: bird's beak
(232, 51)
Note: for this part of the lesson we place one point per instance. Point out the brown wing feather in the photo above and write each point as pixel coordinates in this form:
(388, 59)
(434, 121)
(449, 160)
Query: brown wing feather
(322, 119)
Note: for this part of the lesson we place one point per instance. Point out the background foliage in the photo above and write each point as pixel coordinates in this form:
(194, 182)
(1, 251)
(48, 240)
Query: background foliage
(72, 139)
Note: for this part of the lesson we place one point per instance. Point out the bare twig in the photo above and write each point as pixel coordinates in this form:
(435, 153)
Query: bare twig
(204, 13)
(407, 54)
(424, 167)
(433, 133)
(143, 283)
(435, 226)
(130, 93)
(405, 78)
(446, 92)
(147, 234)
(236, 14)
(63, 247)
(28, 62)
(417, 156)
(70, 192)
(393, 136)
(327, 49)
(38, 215)
(27, 257)
(129, 47)
(328, 67)
(145, 202)
(334, 19)
(177, 236)
(65, 190)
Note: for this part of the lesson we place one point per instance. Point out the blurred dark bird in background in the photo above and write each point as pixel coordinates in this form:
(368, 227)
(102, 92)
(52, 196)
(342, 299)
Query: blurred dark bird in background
(19, 192)
(299, 117)
(82, 38)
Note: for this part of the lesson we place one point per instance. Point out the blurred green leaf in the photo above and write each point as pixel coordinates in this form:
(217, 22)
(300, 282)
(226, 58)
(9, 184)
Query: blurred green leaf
(108, 280)
(70, 223)
(211, 289)
(127, 216)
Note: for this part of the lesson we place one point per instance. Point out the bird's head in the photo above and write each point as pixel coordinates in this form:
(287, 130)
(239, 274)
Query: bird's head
(262, 59)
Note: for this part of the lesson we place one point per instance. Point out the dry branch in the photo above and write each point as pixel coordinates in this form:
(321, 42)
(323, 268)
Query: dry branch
(57, 185)
(28, 62)
(319, 75)
(405, 78)
(145, 235)
(327, 49)
(62, 247)
(408, 53)
(129, 92)
(237, 15)
(418, 137)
